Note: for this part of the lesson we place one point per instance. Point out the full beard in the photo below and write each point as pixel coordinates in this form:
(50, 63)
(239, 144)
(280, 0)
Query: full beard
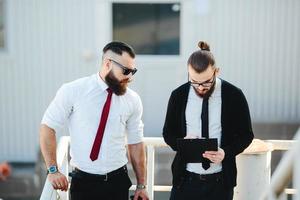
(207, 93)
(118, 87)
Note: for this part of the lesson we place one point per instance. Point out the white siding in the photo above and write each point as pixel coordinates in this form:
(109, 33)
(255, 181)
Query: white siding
(47, 39)
(256, 44)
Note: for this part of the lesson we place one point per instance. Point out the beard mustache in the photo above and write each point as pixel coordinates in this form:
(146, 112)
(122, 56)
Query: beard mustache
(207, 93)
(118, 87)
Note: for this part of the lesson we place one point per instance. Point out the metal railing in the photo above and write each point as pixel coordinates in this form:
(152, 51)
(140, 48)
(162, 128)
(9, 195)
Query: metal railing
(62, 153)
(151, 144)
(287, 170)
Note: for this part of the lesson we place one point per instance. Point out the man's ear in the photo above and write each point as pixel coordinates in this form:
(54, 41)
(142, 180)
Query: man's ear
(106, 64)
(217, 71)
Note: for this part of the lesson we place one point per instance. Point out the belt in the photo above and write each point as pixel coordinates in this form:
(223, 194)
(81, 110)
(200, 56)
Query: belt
(204, 177)
(77, 173)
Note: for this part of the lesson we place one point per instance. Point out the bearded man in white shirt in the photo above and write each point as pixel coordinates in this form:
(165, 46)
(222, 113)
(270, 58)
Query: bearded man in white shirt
(102, 115)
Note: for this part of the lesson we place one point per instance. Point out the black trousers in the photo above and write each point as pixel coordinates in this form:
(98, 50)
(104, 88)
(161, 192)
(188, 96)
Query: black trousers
(116, 187)
(193, 187)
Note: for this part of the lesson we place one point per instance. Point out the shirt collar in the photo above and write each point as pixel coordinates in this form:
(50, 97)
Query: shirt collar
(217, 91)
(101, 82)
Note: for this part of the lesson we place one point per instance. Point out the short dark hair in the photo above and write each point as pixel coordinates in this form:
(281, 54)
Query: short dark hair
(118, 48)
(201, 59)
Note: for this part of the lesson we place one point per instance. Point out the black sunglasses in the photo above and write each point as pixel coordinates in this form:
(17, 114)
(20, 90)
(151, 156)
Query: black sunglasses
(126, 70)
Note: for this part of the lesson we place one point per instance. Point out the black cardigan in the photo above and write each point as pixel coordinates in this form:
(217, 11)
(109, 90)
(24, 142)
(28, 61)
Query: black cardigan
(236, 128)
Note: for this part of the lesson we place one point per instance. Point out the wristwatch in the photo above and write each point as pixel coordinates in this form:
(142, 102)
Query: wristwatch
(52, 169)
(140, 186)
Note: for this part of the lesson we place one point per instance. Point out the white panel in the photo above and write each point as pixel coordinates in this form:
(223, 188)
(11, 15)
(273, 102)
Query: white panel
(256, 45)
(49, 40)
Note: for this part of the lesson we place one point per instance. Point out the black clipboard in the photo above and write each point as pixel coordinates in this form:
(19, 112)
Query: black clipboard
(191, 150)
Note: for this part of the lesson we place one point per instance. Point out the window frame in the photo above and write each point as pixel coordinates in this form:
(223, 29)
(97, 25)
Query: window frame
(103, 30)
(4, 48)
(156, 53)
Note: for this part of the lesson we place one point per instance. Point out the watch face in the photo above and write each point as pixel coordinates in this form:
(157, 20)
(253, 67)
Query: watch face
(140, 186)
(52, 169)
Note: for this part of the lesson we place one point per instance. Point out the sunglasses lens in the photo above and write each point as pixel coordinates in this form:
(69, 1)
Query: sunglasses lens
(134, 71)
(126, 72)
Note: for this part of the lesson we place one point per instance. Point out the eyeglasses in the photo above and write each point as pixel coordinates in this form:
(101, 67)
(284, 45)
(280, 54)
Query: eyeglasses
(205, 84)
(126, 70)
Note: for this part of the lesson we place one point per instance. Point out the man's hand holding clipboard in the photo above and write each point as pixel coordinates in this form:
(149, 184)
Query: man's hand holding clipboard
(215, 156)
(195, 150)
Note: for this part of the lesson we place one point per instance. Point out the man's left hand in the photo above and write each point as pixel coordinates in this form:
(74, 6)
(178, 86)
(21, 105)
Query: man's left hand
(140, 194)
(215, 156)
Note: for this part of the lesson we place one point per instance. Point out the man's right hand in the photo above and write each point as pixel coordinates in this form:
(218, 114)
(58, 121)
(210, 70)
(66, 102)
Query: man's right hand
(58, 181)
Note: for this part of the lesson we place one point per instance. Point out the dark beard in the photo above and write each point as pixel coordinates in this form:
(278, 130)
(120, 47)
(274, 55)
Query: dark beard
(118, 87)
(208, 92)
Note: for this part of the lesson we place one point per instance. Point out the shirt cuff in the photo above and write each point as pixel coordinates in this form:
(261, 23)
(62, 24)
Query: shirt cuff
(134, 138)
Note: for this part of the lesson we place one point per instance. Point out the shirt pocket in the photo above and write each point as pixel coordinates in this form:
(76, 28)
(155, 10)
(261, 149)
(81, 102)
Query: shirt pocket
(118, 125)
(123, 123)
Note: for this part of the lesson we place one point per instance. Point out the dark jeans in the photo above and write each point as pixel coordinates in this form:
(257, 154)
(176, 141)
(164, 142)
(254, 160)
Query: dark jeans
(197, 189)
(115, 187)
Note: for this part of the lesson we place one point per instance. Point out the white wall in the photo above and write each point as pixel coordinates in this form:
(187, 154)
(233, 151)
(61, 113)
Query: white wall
(46, 42)
(255, 43)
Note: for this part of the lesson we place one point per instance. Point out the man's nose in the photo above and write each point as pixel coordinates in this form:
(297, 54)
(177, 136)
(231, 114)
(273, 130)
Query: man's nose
(201, 88)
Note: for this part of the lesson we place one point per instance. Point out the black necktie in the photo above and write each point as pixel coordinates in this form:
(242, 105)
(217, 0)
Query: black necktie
(205, 132)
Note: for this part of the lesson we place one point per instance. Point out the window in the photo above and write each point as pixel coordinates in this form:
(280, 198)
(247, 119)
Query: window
(151, 29)
(2, 24)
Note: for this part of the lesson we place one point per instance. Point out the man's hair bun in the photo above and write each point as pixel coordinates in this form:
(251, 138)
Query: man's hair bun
(203, 46)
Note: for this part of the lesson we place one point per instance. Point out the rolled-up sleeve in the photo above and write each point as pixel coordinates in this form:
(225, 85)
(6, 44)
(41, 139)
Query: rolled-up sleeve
(135, 126)
(59, 109)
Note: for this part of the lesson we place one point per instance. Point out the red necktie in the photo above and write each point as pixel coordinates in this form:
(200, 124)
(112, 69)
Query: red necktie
(98, 139)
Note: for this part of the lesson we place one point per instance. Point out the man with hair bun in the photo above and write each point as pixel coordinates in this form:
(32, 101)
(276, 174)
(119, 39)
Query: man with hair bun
(207, 107)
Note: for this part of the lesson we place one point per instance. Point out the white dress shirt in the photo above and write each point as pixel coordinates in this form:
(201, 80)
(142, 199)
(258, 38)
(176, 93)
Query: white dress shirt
(79, 105)
(193, 123)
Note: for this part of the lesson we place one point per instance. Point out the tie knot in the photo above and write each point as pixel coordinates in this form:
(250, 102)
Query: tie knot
(109, 90)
